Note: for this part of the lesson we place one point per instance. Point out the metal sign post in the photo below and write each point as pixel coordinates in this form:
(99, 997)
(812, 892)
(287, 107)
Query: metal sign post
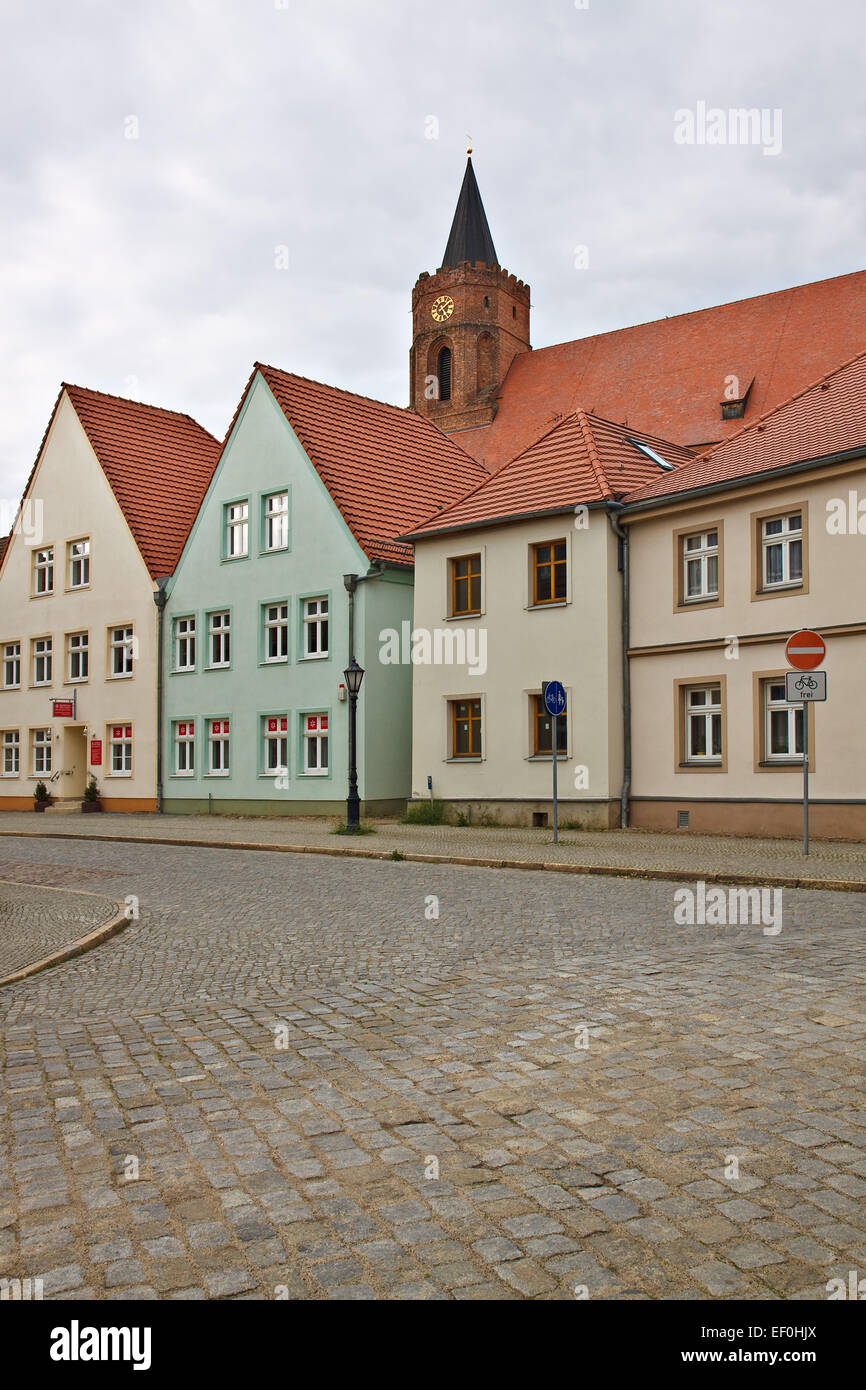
(804, 651)
(553, 694)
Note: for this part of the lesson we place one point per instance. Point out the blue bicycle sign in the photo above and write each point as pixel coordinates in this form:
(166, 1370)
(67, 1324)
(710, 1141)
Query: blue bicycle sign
(554, 697)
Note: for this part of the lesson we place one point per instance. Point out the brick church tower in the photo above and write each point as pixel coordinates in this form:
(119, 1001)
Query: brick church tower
(469, 321)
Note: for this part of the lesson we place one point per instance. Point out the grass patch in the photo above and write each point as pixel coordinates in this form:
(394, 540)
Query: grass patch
(365, 828)
(395, 854)
(424, 813)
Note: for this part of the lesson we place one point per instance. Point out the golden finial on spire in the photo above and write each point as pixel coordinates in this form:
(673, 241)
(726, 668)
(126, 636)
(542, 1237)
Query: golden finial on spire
(469, 149)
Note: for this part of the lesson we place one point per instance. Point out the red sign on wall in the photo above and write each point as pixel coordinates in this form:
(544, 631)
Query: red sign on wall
(63, 709)
(96, 752)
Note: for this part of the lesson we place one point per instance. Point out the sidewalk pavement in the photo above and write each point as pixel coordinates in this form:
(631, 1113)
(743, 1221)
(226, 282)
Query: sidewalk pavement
(40, 925)
(629, 853)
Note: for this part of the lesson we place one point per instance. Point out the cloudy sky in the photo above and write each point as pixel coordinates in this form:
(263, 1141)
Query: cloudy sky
(157, 157)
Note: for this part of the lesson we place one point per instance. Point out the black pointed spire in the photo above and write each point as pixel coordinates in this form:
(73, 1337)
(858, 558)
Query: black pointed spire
(470, 238)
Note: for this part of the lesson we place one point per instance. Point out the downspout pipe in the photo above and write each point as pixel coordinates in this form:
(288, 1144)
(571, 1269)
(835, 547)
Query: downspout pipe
(159, 598)
(351, 582)
(621, 532)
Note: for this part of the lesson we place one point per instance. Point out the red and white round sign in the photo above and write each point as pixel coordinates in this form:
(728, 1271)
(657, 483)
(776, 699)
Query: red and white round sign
(805, 650)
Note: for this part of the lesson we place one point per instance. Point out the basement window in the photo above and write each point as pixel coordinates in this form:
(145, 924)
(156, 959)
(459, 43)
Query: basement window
(651, 454)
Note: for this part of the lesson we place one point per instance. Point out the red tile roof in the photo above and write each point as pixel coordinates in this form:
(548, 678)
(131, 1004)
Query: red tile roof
(669, 376)
(157, 462)
(386, 468)
(828, 417)
(582, 459)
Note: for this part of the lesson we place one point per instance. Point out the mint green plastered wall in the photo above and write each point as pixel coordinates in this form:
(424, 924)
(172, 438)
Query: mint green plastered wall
(263, 456)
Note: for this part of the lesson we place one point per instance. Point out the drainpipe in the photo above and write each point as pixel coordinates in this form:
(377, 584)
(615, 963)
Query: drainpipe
(613, 510)
(159, 598)
(351, 582)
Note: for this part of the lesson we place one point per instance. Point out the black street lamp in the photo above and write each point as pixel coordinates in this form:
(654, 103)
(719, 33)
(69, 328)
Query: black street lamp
(354, 675)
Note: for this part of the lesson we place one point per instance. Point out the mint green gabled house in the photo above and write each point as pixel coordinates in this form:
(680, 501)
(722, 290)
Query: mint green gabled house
(296, 540)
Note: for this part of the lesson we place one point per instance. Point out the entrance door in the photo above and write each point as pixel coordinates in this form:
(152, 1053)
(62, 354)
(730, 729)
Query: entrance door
(73, 778)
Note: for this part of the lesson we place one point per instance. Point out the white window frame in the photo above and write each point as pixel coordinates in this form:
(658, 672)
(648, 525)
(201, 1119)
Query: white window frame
(708, 712)
(795, 716)
(702, 554)
(237, 530)
(79, 561)
(41, 742)
(121, 651)
(43, 651)
(276, 627)
(77, 648)
(217, 739)
(276, 520)
(275, 739)
(316, 614)
(316, 738)
(11, 753)
(124, 744)
(12, 656)
(43, 571)
(185, 642)
(783, 539)
(219, 631)
(184, 739)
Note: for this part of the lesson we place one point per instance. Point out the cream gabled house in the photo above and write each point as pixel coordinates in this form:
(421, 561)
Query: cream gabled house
(730, 556)
(107, 508)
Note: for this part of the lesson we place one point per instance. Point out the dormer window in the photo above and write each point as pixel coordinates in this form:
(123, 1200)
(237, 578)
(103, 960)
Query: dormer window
(734, 400)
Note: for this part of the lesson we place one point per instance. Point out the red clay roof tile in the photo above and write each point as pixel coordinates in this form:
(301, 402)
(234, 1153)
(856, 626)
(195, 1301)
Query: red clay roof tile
(828, 417)
(386, 468)
(582, 459)
(669, 376)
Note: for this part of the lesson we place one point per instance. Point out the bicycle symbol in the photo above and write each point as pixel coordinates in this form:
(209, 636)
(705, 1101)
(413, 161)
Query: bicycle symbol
(806, 683)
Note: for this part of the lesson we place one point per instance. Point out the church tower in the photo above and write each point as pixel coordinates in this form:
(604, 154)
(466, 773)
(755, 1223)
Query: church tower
(469, 321)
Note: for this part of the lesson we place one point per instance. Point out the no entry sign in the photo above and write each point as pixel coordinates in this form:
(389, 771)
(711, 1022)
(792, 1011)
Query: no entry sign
(805, 650)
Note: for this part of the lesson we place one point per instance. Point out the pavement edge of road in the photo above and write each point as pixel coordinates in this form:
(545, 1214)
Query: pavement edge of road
(670, 875)
(84, 943)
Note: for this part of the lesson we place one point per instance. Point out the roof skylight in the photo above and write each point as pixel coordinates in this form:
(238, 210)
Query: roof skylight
(651, 454)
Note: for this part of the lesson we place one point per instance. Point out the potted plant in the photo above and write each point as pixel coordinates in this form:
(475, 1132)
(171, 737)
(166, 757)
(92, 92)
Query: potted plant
(41, 799)
(91, 800)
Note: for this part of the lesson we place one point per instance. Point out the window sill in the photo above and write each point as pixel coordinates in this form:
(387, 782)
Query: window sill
(120, 676)
(469, 759)
(274, 550)
(116, 776)
(698, 763)
(462, 617)
(181, 776)
(789, 588)
(275, 661)
(217, 776)
(546, 757)
(182, 671)
(11, 687)
(316, 656)
(794, 761)
(699, 601)
(223, 666)
(324, 773)
(540, 607)
(233, 559)
(77, 680)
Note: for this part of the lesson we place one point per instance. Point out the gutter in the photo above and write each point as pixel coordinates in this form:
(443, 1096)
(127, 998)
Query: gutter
(614, 510)
(159, 598)
(745, 480)
(351, 582)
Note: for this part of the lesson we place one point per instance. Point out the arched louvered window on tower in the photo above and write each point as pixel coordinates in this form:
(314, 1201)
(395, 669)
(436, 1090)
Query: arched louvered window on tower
(444, 374)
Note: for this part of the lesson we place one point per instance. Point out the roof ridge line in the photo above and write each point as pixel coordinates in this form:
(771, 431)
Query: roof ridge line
(589, 440)
(127, 400)
(783, 405)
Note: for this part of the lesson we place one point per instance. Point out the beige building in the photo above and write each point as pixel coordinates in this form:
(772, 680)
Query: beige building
(728, 559)
(106, 510)
(517, 584)
(677, 717)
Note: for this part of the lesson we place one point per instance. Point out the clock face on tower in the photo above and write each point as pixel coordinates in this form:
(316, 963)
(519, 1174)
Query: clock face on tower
(443, 308)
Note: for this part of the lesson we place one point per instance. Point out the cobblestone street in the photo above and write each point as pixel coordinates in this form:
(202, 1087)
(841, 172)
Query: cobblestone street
(291, 1078)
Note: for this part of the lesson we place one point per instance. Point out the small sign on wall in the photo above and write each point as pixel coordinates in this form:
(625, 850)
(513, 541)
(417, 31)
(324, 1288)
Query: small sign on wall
(96, 752)
(63, 709)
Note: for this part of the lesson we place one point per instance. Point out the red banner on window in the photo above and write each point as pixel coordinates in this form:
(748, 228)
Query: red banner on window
(272, 726)
(96, 752)
(312, 722)
(284, 724)
(117, 731)
(324, 721)
(181, 728)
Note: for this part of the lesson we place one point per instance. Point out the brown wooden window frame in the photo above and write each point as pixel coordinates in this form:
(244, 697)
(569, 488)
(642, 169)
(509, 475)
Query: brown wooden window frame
(539, 716)
(474, 731)
(470, 575)
(552, 564)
